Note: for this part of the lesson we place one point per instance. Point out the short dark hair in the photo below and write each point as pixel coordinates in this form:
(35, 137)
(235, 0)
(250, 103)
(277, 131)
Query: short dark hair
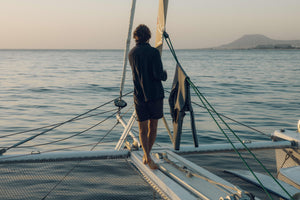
(141, 34)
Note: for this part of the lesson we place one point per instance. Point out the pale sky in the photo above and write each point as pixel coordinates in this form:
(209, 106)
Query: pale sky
(103, 24)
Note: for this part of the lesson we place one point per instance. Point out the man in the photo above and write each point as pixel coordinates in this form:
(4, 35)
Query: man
(147, 73)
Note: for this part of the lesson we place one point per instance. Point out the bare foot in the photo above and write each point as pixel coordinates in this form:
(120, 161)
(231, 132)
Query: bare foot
(144, 160)
(152, 164)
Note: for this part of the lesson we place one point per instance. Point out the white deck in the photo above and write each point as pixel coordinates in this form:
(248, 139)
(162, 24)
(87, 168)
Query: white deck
(268, 182)
(288, 135)
(179, 178)
(292, 173)
(57, 156)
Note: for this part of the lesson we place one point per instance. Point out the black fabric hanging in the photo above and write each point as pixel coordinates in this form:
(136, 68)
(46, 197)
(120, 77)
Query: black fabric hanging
(180, 102)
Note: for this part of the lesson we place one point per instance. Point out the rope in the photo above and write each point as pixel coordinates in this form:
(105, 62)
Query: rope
(240, 123)
(261, 164)
(3, 150)
(228, 139)
(35, 129)
(76, 134)
(18, 156)
(43, 127)
(216, 184)
(73, 147)
(104, 136)
(72, 169)
(210, 110)
(67, 174)
(76, 165)
(287, 156)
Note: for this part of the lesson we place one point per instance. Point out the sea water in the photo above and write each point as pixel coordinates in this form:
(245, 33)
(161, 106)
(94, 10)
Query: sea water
(259, 88)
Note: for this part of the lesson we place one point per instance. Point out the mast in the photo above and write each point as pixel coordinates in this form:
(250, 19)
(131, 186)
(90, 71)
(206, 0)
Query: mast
(161, 22)
(127, 46)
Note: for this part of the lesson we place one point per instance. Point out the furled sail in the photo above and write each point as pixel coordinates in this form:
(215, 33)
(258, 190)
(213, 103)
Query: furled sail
(161, 23)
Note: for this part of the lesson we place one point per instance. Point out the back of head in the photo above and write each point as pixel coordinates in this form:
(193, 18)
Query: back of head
(142, 34)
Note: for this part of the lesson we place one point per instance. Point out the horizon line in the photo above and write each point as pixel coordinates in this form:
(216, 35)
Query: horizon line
(90, 49)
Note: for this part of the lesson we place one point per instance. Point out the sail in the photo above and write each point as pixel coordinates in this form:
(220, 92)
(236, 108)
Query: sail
(161, 23)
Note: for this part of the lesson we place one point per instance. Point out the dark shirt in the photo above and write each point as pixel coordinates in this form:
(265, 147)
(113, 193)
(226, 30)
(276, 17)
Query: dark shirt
(147, 72)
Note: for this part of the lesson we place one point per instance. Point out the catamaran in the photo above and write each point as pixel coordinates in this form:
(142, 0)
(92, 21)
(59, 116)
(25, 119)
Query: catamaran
(119, 172)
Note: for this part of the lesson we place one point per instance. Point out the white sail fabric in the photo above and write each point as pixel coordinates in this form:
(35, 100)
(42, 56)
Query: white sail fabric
(161, 23)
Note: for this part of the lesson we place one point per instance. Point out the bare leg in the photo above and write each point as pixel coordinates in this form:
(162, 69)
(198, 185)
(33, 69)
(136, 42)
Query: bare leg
(152, 132)
(151, 139)
(143, 128)
(148, 132)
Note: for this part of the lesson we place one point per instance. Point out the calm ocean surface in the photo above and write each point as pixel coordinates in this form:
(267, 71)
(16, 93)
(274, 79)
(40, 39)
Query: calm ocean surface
(260, 88)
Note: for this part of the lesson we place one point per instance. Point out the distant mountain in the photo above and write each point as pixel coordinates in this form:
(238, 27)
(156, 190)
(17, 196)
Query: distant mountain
(260, 42)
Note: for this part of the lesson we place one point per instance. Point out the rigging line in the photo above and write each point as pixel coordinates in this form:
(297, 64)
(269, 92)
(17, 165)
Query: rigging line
(216, 184)
(200, 95)
(240, 123)
(261, 164)
(61, 180)
(61, 148)
(97, 114)
(104, 136)
(228, 139)
(127, 110)
(287, 156)
(76, 165)
(36, 129)
(3, 150)
(53, 150)
(72, 147)
(170, 45)
(69, 119)
(79, 133)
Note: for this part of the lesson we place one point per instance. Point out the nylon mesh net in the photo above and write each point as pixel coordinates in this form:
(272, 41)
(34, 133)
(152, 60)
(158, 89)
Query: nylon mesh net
(89, 179)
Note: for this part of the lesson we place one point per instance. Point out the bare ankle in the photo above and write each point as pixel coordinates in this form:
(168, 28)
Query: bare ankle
(152, 165)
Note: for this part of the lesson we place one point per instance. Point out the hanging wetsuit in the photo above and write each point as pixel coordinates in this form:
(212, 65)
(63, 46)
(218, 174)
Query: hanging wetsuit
(180, 101)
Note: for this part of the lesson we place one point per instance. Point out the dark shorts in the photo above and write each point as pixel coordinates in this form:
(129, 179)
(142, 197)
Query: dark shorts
(149, 110)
